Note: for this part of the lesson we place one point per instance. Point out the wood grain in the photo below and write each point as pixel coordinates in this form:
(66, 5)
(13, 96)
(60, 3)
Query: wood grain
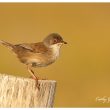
(23, 93)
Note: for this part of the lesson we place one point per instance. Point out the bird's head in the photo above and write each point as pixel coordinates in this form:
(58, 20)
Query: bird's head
(54, 39)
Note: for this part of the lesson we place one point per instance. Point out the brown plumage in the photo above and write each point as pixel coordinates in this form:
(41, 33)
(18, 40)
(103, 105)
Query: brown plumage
(38, 54)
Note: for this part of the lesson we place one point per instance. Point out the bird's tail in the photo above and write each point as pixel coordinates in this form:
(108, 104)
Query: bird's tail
(6, 44)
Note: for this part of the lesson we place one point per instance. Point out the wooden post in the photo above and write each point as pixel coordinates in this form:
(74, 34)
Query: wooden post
(22, 92)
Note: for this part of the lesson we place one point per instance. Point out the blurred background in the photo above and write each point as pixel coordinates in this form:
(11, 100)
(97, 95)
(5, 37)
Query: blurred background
(83, 68)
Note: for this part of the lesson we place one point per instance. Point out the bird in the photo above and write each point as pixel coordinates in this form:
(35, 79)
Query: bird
(40, 54)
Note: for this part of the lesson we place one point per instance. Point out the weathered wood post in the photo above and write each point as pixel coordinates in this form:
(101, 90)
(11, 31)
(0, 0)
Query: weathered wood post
(22, 92)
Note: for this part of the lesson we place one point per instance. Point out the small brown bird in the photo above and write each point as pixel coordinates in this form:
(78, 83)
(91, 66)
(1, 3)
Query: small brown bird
(39, 54)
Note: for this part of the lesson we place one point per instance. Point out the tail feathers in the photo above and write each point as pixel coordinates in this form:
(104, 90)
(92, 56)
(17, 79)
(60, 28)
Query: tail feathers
(10, 46)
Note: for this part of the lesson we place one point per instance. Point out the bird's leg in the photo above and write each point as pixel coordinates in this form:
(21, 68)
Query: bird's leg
(29, 68)
(32, 73)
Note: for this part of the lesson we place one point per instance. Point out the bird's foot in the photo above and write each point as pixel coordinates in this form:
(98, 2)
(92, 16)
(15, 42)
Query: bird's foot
(38, 78)
(34, 78)
(36, 83)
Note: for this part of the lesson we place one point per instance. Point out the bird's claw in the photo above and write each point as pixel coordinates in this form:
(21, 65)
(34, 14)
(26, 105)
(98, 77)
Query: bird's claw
(38, 78)
(37, 84)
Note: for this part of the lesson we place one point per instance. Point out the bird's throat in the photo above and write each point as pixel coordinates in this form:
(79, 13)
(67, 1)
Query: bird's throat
(55, 50)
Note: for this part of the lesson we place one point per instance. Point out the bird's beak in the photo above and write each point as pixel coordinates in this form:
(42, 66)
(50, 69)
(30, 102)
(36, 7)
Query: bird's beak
(64, 42)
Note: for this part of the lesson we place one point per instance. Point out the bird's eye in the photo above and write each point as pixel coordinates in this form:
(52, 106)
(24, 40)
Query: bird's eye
(55, 40)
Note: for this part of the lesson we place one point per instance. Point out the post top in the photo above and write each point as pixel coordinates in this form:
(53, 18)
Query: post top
(3, 75)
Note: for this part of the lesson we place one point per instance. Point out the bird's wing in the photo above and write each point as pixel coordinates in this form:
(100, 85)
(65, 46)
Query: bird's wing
(39, 47)
(34, 47)
(26, 46)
